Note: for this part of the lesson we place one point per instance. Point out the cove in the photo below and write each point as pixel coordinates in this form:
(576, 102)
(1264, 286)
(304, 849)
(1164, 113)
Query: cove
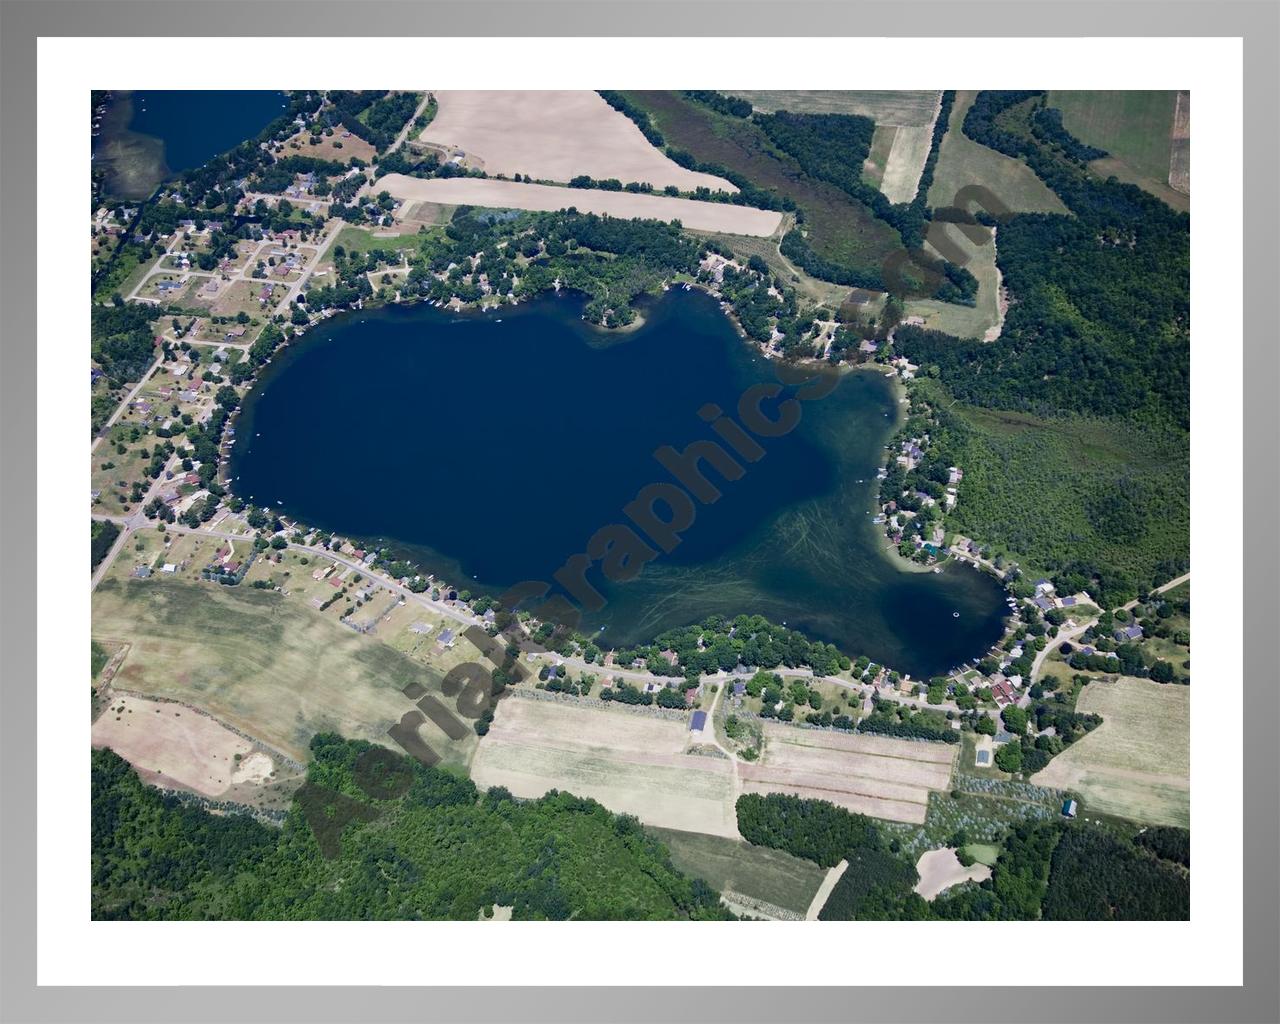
(490, 447)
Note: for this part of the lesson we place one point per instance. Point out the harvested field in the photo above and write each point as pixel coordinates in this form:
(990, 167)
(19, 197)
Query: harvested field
(632, 763)
(263, 663)
(873, 775)
(554, 135)
(759, 872)
(906, 160)
(1137, 763)
(906, 107)
(939, 870)
(961, 162)
(171, 745)
(692, 213)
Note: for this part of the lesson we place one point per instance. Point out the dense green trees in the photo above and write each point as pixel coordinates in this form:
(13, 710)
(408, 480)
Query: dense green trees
(812, 829)
(1096, 876)
(102, 536)
(121, 341)
(404, 842)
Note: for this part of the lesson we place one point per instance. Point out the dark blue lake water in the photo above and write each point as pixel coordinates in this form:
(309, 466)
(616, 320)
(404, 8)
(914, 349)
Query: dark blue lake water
(195, 126)
(491, 447)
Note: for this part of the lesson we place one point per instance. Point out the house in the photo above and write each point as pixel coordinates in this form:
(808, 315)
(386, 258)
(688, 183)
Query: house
(169, 567)
(142, 571)
(1133, 632)
(1069, 808)
(446, 639)
(698, 722)
(1068, 602)
(1003, 694)
(420, 628)
(231, 567)
(739, 689)
(1044, 587)
(1043, 603)
(489, 615)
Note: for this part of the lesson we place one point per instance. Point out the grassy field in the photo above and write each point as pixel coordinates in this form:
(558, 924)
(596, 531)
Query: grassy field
(907, 107)
(1137, 763)
(961, 161)
(632, 762)
(262, 662)
(354, 239)
(902, 171)
(878, 155)
(840, 229)
(1135, 127)
(756, 871)
(983, 318)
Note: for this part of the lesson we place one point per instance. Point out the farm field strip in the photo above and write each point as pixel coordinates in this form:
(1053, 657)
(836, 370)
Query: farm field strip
(906, 160)
(909, 108)
(692, 213)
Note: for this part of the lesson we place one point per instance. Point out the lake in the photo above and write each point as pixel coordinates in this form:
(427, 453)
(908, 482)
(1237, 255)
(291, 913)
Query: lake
(147, 136)
(490, 447)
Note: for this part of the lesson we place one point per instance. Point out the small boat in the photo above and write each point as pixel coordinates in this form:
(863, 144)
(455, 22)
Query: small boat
(955, 615)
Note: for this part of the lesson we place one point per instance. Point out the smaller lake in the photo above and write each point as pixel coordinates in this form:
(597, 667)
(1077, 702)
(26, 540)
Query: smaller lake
(195, 126)
(146, 137)
(491, 447)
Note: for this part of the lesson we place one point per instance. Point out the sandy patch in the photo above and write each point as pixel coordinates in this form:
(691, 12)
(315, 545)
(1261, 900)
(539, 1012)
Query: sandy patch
(256, 768)
(172, 745)
(631, 763)
(554, 135)
(939, 870)
(692, 213)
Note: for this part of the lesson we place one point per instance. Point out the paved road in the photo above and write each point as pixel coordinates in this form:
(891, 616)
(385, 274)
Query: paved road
(1071, 634)
(124, 404)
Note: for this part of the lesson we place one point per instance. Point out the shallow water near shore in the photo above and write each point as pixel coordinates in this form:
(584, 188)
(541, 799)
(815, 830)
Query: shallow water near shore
(490, 447)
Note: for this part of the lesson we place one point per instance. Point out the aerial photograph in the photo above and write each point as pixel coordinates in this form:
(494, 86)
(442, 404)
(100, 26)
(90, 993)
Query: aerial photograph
(640, 505)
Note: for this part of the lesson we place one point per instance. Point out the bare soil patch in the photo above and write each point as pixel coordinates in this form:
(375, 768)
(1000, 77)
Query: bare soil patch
(554, 135)
(939, 870)
(1180, 150)
(172, 745)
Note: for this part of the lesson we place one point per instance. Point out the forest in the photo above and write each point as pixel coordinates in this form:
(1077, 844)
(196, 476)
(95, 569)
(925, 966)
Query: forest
(377, 836)
(1051, 870)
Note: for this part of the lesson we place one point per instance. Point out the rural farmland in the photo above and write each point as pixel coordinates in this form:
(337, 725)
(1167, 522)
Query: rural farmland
(1137, 763)
(554, 135)
(872, 775)
(631, 763)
